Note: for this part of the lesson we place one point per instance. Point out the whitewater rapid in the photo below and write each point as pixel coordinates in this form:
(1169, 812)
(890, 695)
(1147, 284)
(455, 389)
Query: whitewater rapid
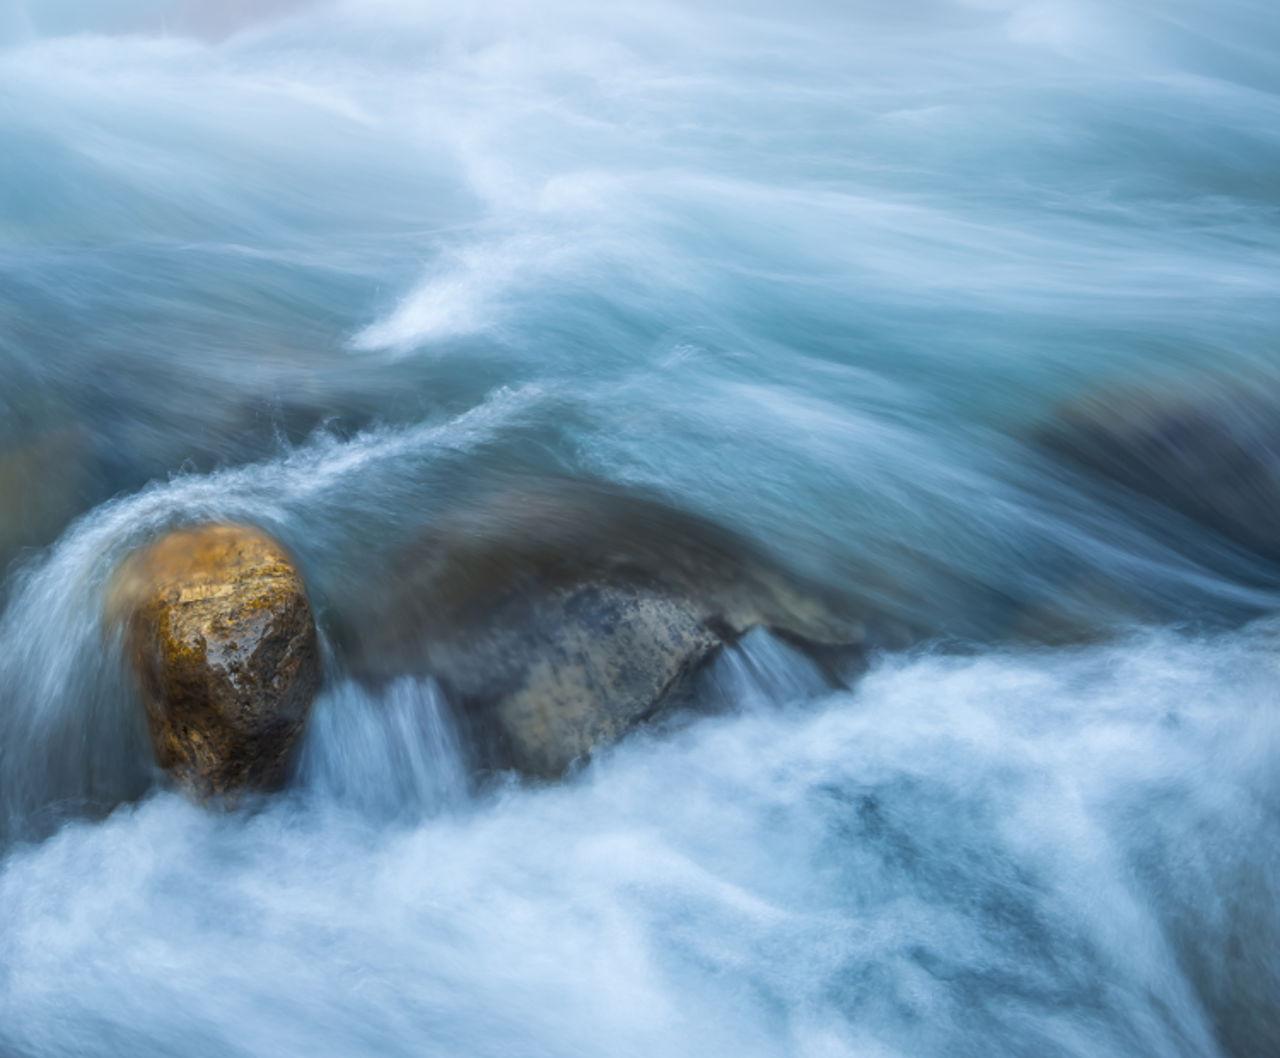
(822, 272)
(1014, 854)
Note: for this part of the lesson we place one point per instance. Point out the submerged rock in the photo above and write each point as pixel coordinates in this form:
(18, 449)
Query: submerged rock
(558, 615)
(42, 482)
(220, 633)
(1182, 480)
(1211, 454)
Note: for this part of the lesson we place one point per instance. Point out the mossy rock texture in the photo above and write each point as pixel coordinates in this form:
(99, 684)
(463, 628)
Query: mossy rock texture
(219, 632)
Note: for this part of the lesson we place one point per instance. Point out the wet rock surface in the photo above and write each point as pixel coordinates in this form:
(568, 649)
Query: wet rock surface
(559, 615)
(219, 632)
(549, 678)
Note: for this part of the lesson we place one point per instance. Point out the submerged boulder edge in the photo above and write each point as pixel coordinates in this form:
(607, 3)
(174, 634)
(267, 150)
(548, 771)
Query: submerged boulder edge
(219, 633)
(1207, 450)
(560, 614)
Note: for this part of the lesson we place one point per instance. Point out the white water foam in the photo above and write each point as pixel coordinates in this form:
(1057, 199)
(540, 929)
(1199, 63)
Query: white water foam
(1001, 855)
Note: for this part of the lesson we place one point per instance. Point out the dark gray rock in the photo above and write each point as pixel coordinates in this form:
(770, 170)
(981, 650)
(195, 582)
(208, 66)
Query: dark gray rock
(559, 614)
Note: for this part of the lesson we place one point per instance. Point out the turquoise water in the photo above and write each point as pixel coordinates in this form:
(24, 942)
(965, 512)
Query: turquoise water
(825, 273)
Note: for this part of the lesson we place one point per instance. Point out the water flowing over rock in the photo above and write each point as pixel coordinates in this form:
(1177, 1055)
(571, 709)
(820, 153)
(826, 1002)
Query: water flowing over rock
(1182, 472)
(1208, 452)
(219, 632)
(40, 484)
(559, 614)
(613, 375)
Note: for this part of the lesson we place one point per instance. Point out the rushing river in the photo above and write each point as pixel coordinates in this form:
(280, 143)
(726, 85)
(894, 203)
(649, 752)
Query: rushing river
(824, 272)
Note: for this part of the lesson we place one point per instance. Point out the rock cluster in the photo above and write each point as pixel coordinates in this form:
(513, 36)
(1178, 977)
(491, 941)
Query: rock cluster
(557, 616)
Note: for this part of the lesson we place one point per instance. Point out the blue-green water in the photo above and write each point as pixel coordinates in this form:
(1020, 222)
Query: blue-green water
(822, 272)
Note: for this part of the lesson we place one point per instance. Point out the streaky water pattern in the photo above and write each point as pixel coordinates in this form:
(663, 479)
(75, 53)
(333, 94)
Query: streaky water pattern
(819, 271)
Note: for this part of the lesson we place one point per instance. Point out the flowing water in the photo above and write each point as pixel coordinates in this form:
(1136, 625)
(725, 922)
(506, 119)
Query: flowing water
(819, 271)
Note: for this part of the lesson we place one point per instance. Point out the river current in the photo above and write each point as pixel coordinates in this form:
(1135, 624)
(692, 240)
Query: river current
(822, 272)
